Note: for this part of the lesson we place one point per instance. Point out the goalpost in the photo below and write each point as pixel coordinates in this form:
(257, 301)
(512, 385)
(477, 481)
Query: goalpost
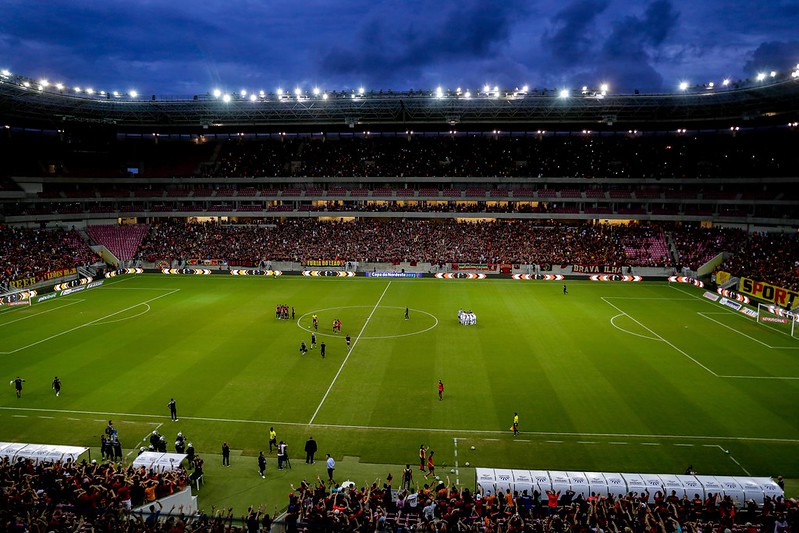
(777, 318)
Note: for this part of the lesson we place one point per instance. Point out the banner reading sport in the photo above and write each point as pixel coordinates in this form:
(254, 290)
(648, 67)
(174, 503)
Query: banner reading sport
(769, 293)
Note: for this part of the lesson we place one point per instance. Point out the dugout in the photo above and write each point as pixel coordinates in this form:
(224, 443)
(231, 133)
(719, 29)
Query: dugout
(691, 486)
(542, 481)
(579, 484)
(37, 453)
(710, 484)
(615, 484)
(732, 488)
(522, 480)
(159, 461)
(769, 487)
(635, 483)
(597, 483)
(672, 483)
(752, 489)
(560, 481)
(485, 481)
(503, 480)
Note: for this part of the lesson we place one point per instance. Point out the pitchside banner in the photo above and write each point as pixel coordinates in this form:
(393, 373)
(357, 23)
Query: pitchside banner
(768, 293)
(596, 269)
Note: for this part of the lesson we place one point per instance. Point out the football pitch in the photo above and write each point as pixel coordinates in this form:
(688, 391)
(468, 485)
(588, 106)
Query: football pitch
(620, 377)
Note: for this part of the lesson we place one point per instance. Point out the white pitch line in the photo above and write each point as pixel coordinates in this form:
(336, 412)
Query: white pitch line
(86, 324)
(727, 452)
(661, 338)
(349, 352)
(457, 478)
(686, 445)
(50, 310)
(703, 315)
(418, 429)
(613, 323)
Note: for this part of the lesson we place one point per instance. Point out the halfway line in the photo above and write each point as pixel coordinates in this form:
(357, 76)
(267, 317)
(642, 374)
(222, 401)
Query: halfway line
(349, 353)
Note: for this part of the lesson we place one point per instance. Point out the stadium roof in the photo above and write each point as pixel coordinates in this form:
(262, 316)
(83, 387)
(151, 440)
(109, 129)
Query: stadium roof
(25, 104)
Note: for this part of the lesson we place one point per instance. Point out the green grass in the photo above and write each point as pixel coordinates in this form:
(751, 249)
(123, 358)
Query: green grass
(611, 377)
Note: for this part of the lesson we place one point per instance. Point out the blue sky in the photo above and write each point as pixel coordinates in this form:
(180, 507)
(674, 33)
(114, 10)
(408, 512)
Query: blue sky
(179, 47)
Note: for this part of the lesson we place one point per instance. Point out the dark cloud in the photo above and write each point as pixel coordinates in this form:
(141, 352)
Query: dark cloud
(573, 36)
(773, 55)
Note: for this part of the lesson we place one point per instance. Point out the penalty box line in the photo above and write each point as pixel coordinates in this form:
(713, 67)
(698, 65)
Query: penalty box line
(349, 352)
(70, 330)
(413, 429)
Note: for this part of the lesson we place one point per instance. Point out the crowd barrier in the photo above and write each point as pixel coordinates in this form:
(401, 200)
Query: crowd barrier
(740, 489)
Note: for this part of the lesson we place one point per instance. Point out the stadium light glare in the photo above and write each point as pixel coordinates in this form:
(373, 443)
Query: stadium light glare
(5, 72)
(486, 89)
(710, 85)
(773, 73)
(761, 76)
(316, 91)
(26, 84)
(467, 94)
(261, 93)
(253, 97)
(564, 93)
(297, 92)
(525, 88)
(725, 82)
(89, 91)
(40, 87)
(59, 86)
(324, 96)
(439, 92)
(226, 98)
(584, 89)
(217, 93)
(243, 93)
(133, 94)
(604, 87)
(496, 89)
(102, 93)
(44, 83)
(683, 85)
(279, 92)
(361, 91)
(77, 89)
(116, 93)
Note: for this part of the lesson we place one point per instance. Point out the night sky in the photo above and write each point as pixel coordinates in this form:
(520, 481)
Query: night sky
(181, 47)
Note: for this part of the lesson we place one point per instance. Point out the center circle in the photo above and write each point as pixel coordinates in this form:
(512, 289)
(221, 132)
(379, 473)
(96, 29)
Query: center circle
(327, 315)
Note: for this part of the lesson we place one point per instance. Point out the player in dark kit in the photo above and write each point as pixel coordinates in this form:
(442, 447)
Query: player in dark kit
(313, 340)
(564, 289)
(407, 314)
(440, 390)
(173, 410)
(348, 339)
(303, 348)
(17, 385)
(57, 386)
(322, 349)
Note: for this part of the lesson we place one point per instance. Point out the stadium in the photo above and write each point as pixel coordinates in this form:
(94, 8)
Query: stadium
(627, 263)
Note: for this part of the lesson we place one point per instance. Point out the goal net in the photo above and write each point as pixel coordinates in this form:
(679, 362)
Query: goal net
(777, 318)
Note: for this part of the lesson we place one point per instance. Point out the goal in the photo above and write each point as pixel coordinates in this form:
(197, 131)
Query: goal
(777, 318)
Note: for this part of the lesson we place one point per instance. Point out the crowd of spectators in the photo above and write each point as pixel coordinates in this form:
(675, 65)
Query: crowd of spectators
(696, 246)
(445, 507)
(27, 253)
(397, 240)
(576, 155)
(80, 496)
(770, 257)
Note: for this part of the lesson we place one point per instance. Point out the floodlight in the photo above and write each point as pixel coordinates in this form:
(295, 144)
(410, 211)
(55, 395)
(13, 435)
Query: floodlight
(761, 76)
(253, 98)
(261, 94)
(725, 82)
(5, 72)
(217, 93)
(564, 93)
(496, 89)
(44, 83)
(77, 89)
(324, 96)
(89, 91)
(102, 93)
(226, 98)
(585, 89)
(467, 94)
(26, 84)
(683, 85)
(59, 86)
(40, 87)
(280, 92)
(116, 93)
(243, 93)
(298, 92)
(604, 87)
(361, 90)
(486, 89)
(439, 92)
(773, 73)
(711, 85)
(525, 88)
(316, 91)
(133, 94)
